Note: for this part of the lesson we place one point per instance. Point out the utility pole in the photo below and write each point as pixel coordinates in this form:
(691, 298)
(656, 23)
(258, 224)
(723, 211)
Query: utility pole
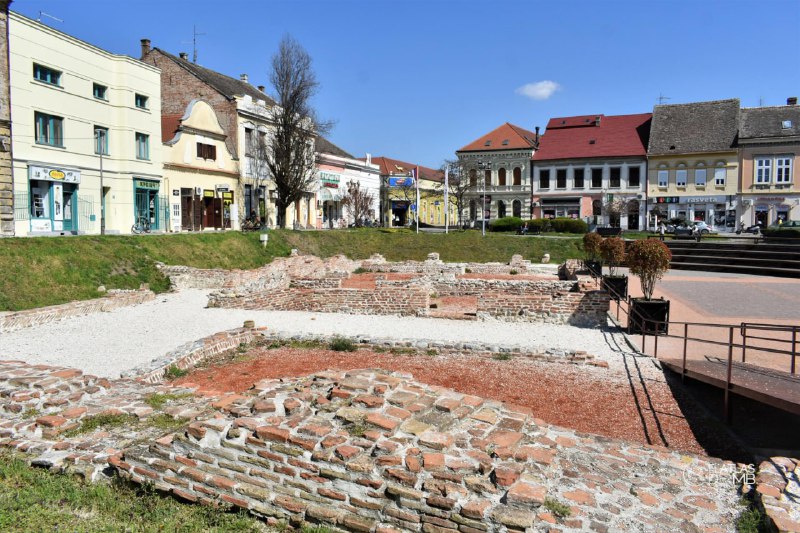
(101, 138)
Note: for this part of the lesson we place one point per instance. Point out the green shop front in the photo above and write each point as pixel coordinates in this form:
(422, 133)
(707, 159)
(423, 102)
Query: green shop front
(148, 205)
(53, 194)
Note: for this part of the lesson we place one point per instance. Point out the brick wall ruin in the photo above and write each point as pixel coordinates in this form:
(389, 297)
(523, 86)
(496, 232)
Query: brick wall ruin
(42, 315)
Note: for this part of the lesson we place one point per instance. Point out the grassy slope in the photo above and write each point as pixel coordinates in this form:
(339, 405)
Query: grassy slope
(36, 272)
(33, 499)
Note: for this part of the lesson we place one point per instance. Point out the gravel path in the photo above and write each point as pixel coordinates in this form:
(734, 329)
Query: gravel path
(106, 344)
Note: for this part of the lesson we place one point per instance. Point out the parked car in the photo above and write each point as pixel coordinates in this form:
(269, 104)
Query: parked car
(789, 224)
(703, 228)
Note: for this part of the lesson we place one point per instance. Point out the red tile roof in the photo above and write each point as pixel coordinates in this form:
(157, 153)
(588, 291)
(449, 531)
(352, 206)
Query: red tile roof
(169, 125)
(595, 136)
(390, 166)
(513, 136)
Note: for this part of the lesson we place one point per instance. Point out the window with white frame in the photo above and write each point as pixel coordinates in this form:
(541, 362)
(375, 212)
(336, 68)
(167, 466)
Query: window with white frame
(663, 178)
(700, 176)
(719, 176)
(783, 169)
(681, 176)
(763, 170)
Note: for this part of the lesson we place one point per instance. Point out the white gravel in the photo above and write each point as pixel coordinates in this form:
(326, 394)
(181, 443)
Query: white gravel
(106, 344)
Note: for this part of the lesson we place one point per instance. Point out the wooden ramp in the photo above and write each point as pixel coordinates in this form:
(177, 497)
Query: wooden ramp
(771, 387)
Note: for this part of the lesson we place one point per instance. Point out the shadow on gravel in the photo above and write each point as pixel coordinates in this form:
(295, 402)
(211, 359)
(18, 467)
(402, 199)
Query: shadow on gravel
(710, 432)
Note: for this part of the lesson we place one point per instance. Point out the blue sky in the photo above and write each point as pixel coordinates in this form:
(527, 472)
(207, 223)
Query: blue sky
(416, 80)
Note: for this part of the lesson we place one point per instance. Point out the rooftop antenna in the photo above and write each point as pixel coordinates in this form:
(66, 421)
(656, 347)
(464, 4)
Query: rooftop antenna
(760, 101)
(662, 98)
(43, 14)
(194, 43)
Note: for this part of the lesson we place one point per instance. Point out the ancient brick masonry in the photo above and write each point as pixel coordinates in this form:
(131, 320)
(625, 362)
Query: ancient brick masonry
(42, 315)
(371, 451)
(777, 485)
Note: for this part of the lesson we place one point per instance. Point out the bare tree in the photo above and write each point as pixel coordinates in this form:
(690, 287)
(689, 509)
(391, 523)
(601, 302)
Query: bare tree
(291, 157)
(458, 185)
(257, 157)
(358, 202)
(614, 209)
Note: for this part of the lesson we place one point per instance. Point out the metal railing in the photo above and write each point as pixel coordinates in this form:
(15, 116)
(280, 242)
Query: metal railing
(782, 339)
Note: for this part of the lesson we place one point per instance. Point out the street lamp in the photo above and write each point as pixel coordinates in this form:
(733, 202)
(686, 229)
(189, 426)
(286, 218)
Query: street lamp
(100, 140)
(484, 167)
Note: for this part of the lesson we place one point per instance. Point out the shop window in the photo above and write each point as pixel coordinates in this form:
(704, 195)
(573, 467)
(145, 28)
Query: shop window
(206, 151)
(614, 180)
(544, 179)
(501, 176)
(577, 178)
(517, 176)
(634, 176)
(597, 178)
(99, 91)
(561, 178)
(46, 75)
(141, 101)
(49, 129)
(40, 200)
(142, 146)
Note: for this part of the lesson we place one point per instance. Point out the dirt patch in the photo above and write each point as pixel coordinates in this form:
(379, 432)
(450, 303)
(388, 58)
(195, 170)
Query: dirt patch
(587, 399)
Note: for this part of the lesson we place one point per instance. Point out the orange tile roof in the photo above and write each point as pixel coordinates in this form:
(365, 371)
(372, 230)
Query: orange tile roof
(391, 166)
(506, 137)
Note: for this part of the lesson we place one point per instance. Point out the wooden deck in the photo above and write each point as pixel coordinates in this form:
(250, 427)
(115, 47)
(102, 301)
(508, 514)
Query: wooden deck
(771, 387)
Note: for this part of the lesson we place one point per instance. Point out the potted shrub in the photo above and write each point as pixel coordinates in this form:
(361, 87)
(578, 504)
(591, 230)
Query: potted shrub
(591, 247)
(649, 259)
(612, 250)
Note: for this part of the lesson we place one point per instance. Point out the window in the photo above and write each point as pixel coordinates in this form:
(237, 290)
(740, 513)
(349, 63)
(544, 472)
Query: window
(763, 170)
(597, 178)
(141, 101)
(783, 170)
(473, 178)
(700, 177)
(99, 91)
(719, 176)
(544, 179)
(142, 146)
(487, 178)
(516, 208)
(248, 142)
(681, 175)
(786, 124)
(49, 129)
(46, 75)
(517, 176)
(501, 176)
(614, 177)
(206, 151)
(561, 178)
(634, 176)
(578, 178)
(663, 178)
(100, 140)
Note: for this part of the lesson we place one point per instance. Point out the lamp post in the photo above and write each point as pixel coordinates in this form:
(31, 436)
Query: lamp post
(484, 167)
(100, 139)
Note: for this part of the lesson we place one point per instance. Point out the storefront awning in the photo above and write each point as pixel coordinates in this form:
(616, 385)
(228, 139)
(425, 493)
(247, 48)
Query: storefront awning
(328, 194)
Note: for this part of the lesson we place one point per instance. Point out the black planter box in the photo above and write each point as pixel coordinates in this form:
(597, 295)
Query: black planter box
(609, 232)
(650, 317)
(595, 268)
(617, 286)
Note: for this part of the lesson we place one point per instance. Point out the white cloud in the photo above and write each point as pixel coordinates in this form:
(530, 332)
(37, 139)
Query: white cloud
(540, 90)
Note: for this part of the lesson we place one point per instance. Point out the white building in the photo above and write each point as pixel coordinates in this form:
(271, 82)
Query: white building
(76, 107)
(336, 169)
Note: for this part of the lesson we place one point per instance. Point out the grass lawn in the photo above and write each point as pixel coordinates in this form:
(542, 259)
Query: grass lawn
(36, 272)
(32, 499)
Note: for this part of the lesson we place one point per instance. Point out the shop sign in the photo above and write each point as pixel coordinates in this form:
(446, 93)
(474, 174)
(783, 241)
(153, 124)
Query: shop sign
(208, 194)
(146, 184)
(176, 192)
(401, 182)
(222, 187)
(54, 174)
(771, 199)
(329, 180)
(688, 199)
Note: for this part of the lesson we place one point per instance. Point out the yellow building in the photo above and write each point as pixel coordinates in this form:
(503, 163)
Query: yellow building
(199, 171)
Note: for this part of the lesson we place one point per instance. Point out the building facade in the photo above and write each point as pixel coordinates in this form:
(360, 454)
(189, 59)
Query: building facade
(592, 167)
(200, 173)
(336, 169)
(694, 163)
(6, 181)
(769, 153)
(87, 124)
(498, 165)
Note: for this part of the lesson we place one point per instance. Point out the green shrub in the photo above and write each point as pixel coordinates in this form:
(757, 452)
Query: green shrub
(612, 250)
(649, 259)
(591, 245)
(782, 233)
(568, 225)
(173, 372)
(505, 224)
(342, 344)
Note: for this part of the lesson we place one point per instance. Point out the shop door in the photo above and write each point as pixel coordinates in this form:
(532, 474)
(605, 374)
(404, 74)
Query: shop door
(208, 212)
(70, 202)
(762, 216)
(217, 212)
(187, 209)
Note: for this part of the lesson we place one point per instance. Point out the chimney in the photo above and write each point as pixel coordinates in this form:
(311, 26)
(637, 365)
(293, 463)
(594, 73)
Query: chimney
(536, 140)
(261, 88)
(792, 100)
(369, 159)
(243, 77)
(184, 56)
(145, 47)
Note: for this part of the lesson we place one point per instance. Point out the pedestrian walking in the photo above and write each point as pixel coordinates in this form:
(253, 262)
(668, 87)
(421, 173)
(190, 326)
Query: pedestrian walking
(662, 229)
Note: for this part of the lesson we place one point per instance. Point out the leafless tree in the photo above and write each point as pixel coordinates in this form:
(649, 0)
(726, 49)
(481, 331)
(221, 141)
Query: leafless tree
(358, 202)
(615, 208)
(458, 185)
(257, 157)
(291, 146)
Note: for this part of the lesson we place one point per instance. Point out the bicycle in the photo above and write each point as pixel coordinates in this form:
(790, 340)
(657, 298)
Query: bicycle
(142, 225)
